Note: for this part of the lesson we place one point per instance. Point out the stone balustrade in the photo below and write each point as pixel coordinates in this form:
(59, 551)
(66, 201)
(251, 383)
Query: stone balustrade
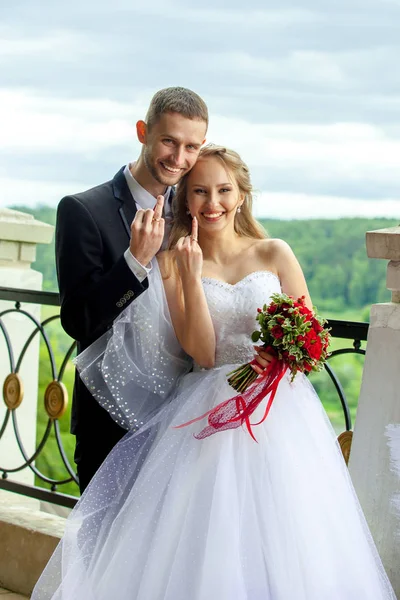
(19, 235)
(375, 453)
(27, 535)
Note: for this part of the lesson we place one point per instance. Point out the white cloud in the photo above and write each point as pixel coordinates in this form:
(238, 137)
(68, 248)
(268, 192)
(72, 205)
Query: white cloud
(307, 67)
(32, 192)
(301, 206)
(65, 44)
(40, 123)
(325, 152)
(308, 96)
(259, 19)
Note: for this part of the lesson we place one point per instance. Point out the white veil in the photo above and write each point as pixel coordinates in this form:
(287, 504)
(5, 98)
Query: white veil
(133, 369)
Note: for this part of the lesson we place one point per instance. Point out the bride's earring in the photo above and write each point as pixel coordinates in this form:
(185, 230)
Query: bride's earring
(188, 212)
(239, 209)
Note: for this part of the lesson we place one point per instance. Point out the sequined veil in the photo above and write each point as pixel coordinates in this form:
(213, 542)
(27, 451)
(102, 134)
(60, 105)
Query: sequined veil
(134, 368)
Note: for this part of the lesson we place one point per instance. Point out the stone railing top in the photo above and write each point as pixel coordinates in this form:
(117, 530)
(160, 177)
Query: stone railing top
(384, 243)
(17, 226)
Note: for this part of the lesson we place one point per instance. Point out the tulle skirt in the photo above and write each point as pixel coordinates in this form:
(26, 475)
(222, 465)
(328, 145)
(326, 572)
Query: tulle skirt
(169, 517)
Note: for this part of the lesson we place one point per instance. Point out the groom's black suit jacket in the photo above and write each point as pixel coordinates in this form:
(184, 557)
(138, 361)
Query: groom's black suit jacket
(96, 284)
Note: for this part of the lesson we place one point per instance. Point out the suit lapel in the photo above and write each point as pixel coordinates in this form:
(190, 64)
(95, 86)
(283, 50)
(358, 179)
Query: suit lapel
(125, 221)
(127, 208)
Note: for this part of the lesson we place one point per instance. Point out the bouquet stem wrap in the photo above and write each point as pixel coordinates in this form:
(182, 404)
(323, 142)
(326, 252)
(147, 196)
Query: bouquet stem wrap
(236, 411)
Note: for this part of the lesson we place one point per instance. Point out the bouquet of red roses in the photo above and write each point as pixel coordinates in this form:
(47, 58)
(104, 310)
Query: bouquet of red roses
(298, 341)
(292, 333)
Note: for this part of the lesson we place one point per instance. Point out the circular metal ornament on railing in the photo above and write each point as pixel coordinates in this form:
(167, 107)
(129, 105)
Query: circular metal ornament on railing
(13, 391)
(55, 399)
(345, 439)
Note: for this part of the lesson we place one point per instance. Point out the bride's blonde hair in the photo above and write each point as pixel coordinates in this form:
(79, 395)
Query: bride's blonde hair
(245, 224)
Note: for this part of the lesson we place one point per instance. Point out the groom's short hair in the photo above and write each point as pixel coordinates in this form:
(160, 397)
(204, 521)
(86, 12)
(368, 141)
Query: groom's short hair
(178, 100)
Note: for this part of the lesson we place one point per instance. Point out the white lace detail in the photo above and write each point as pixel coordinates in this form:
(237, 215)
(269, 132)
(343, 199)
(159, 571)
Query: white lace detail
(233, 309)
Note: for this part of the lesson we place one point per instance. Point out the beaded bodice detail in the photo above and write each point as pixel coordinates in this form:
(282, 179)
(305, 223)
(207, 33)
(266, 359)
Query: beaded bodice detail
(233, 309)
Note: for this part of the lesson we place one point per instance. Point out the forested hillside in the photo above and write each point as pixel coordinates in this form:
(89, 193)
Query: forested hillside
(333, 256)
(331, 252)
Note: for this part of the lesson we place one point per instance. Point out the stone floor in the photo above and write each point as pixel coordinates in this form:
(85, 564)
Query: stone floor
(7, 595)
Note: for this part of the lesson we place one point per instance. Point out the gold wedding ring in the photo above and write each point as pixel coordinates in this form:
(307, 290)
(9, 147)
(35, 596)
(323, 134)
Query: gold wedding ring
(156, 219)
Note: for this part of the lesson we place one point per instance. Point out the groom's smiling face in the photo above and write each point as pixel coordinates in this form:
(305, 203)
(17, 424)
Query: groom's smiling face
(171, 146)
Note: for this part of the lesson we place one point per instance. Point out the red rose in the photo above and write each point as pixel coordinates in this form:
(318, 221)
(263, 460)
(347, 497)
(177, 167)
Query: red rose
(307, 367)
(309, 338)
(291, 357)
(306, 313)
(277, 332)
(259, 310)
(316, 350)
(272, 308)
(304, 310)
(316, 326)
(313, 344)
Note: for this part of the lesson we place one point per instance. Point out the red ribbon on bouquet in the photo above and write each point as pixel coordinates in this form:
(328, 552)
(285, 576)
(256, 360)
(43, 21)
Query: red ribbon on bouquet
(236, 411)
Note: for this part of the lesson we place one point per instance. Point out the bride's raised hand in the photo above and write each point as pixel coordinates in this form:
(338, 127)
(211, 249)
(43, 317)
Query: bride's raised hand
(188, 254)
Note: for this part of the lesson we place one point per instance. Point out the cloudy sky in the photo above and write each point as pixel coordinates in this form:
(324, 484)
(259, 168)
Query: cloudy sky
(309, 96)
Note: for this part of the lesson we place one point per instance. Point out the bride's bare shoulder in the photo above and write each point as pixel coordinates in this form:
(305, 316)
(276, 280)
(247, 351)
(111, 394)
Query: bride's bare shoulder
(271, 249)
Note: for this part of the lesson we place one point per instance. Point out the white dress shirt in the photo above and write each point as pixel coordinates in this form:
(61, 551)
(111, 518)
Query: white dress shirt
(143, 199)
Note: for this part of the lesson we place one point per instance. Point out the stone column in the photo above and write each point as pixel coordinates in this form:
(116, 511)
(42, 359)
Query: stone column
(375, 453)
(19, 235)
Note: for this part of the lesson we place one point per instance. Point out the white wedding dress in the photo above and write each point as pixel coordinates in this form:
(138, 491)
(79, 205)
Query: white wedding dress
(171, 517)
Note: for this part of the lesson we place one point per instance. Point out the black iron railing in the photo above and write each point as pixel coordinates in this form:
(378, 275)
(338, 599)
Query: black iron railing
(55, 399)
(357, 333)
(56, 394)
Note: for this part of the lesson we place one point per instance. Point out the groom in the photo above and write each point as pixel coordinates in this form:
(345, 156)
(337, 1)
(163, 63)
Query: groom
(102, 257)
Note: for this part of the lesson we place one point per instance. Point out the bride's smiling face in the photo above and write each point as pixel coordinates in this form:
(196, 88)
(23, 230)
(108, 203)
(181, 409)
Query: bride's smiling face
(213, 195)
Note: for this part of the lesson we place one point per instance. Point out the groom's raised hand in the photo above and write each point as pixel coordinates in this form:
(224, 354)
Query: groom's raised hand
(147, 232)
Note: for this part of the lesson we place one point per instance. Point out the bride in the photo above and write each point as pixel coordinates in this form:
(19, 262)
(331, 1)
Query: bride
(171, 517)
